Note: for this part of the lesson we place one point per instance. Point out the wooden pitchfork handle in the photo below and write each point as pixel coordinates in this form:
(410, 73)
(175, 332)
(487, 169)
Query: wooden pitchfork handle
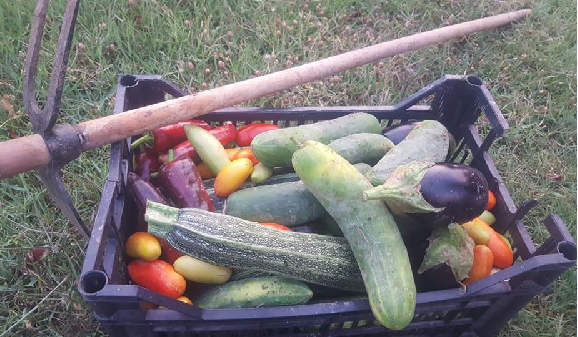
(32, 152)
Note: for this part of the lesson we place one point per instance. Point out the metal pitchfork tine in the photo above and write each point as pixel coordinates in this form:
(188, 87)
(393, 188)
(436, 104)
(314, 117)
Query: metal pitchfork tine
(62, 148)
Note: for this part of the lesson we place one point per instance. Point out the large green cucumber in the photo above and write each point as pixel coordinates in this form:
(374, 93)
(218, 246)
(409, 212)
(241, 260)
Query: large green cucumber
(369, 228)
(428, 141)
(366, 148)
(256, 292)
(289, 203)
(228, 241)
(274, 148)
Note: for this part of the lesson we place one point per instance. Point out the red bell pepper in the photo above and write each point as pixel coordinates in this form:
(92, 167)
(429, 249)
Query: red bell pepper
(246, 133)
(168, 136)
(225, 134)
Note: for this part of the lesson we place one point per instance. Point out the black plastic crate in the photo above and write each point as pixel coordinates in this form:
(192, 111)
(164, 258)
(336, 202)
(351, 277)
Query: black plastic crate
(457, 102)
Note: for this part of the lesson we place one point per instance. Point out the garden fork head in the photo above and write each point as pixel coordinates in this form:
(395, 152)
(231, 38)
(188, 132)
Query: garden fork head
(61, 140)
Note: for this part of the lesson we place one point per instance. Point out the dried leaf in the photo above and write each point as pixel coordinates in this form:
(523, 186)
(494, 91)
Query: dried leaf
(36, 254)
(450, 245)
(6, 105)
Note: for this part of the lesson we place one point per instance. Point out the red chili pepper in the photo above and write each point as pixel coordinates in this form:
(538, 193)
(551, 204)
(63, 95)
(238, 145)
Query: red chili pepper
(182, 183)
(246, 133)
(146, 163)
(168, 136)
(225, 134)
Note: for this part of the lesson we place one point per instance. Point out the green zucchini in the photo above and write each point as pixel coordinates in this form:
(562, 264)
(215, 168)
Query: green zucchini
(369, 228)
(241, 274)
(289, 203)
(256, 292)
(227, 241)
(274, 148)
(428, 141)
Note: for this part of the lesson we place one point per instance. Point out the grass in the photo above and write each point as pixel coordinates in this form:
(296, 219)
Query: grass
(530, 69)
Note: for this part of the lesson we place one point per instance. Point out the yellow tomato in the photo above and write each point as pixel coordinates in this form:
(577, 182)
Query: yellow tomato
(232, 176)
(142, 245)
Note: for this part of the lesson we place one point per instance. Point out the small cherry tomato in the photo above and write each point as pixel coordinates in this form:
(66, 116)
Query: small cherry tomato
(246, 133)
(142, 245)
(483, 262)
(247, 153)
(158, 276)
(205, 171)
(185, 299)
(232, 176)
(491, 200)
(276, 226)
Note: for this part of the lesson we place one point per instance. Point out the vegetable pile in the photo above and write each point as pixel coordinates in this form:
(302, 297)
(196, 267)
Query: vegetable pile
(262, 216)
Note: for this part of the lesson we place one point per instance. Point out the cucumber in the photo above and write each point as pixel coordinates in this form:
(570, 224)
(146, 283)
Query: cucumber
(274, 148)
(289, 203)
(369, 228)
(366, 148)
(256, 292)
(227, 241)
(428, 141)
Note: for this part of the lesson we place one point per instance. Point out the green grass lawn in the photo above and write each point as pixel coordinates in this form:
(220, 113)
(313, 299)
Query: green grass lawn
(530, 69)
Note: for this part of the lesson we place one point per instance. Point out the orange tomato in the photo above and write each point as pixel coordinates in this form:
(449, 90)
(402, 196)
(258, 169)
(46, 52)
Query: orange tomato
(491, 200)
(276, 226)
(247, 153)
(503, 255)
(483, 262)
(142, 245)
(232, 153)
(158, 276)
(185, 299)
(232, 176)
(205, 171)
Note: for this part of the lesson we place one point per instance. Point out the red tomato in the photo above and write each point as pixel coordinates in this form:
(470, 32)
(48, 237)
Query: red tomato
(491, 200)
(246, 133)
(247, 153)
(158, 276)
(483, 262)
(276, 226)
(503, 255)
(169, 254)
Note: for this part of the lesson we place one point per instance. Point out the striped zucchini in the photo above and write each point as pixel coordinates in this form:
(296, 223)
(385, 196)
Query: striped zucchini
(369, 228)
(227, 241)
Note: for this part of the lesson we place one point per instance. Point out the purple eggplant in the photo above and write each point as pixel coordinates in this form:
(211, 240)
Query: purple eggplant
(435, 194)
(141, 191)
(397, 133)
(182, 184)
